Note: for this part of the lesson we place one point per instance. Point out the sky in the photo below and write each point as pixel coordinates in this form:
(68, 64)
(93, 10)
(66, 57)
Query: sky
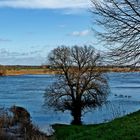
(30, 29)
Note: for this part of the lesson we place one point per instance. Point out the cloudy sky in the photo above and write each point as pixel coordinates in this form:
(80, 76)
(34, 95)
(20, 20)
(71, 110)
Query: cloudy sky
(29, 29)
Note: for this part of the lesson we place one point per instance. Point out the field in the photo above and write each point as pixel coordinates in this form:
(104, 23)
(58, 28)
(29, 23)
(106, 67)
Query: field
(29, 71)
(125, 128)
(21, 70)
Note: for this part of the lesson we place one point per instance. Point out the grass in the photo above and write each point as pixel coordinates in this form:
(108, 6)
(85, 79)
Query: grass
(20, 70)
(125, 128)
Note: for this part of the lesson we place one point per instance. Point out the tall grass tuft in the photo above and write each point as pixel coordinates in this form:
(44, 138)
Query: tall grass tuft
(15, 129)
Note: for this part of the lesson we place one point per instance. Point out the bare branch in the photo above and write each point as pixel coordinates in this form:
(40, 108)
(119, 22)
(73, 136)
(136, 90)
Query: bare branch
(80, 86)
(120, 23)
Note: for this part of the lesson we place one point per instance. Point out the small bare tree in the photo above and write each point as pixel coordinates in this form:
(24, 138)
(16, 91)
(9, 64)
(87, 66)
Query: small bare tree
(120, 23)
(80, 85)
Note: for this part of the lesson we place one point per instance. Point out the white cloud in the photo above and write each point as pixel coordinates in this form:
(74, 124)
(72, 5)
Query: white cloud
(4, 53)
(74, 11)
(5, 40)
(81, 33)
(22, 61)
(17, 58)
(62, 26)
(45, 3)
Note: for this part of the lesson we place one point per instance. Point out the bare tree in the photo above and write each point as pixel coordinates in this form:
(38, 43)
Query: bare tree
(79, 86)
(120, 23)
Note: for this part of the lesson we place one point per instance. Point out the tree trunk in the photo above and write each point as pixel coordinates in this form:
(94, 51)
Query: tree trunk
(76, 113)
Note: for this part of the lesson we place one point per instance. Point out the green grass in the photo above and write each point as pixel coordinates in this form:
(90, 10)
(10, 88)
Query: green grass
(125, 128)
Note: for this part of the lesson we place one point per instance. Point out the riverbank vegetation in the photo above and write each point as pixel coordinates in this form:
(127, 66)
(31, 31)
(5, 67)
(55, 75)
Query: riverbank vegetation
(15, 124)
(125, 128)
(46, 69)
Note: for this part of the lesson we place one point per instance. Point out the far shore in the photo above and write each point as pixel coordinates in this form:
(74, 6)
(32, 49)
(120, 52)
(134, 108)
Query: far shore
(14, 72)
(28, 72)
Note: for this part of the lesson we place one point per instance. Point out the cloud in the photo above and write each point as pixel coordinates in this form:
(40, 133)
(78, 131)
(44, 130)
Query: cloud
(81, 33)
(35, 52)
(17, 58)
(5, 40)
(75, 11)
(22, 61)
(62, 26)
(53, 4)
(30, 33)
(6, 53)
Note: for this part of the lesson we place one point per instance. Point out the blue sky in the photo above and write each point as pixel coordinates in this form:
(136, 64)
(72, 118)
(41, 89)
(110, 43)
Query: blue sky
(29, 29)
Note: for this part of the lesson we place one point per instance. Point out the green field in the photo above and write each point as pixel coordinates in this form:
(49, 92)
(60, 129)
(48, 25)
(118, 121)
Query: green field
(125, 128)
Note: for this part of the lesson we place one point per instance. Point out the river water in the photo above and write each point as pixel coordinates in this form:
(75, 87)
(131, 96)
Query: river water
(28, 91)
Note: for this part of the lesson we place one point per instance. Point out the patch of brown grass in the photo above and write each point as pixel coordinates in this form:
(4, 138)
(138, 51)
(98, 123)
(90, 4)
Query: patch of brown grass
(25, 131)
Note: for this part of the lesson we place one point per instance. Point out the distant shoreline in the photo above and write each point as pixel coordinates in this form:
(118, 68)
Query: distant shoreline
(27, 72)
(40, 71)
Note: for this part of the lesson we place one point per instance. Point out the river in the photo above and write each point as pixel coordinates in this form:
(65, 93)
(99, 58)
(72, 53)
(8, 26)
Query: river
(28, 91)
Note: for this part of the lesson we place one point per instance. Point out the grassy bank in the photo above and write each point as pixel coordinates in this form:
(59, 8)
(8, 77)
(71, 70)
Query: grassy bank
(125, 128)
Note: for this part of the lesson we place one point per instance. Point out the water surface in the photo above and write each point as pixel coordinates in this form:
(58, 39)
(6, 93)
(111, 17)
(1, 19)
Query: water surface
(28, 91)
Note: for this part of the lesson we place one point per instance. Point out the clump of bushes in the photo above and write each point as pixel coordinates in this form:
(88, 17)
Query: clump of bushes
(2, 72)
(15, 124)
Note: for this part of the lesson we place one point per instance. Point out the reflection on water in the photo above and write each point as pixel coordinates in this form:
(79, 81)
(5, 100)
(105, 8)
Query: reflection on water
(28, 91)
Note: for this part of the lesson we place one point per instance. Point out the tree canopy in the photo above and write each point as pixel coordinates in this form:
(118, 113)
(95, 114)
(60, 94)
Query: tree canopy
(79, 86)
(119, 21)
